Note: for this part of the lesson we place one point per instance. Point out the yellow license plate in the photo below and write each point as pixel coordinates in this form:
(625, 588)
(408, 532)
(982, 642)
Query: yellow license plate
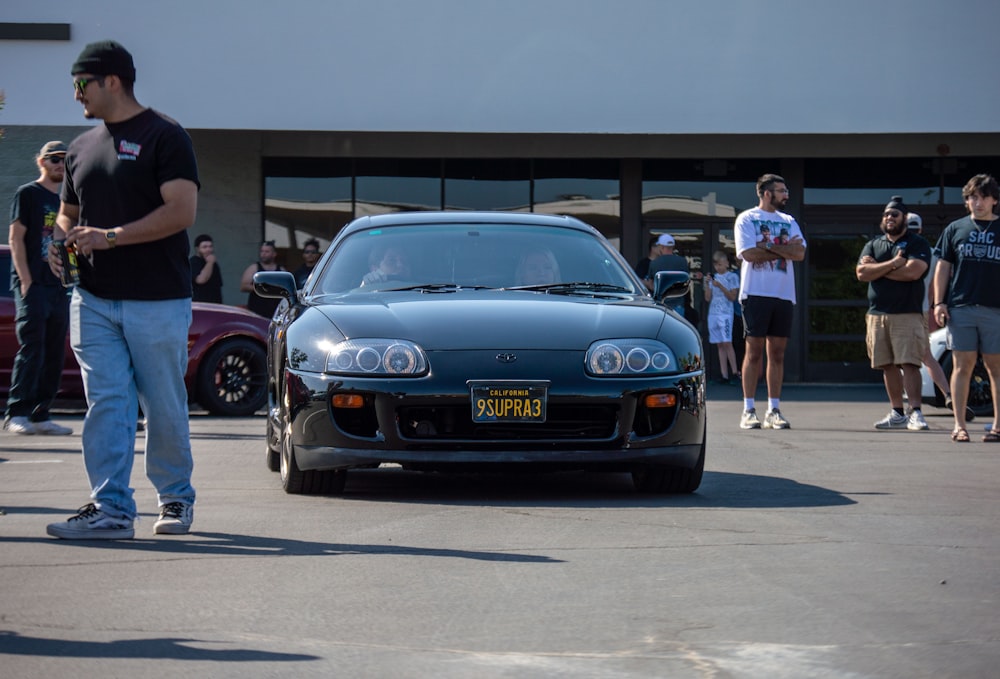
(509, 402)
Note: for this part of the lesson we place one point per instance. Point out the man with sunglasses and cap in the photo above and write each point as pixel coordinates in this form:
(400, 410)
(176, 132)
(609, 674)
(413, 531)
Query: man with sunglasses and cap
(894, 265)
(129, 195)
(40, 301)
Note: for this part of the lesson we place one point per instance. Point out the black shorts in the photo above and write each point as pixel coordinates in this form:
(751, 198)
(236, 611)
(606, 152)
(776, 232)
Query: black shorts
(767, 317)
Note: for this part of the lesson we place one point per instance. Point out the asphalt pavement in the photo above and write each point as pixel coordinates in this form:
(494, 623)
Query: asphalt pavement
(827, 550)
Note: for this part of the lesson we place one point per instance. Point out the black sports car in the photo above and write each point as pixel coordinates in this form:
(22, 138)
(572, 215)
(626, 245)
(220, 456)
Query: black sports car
(481, 341)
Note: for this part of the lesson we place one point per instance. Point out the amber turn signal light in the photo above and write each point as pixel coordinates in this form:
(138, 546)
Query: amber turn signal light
(660, 400)
(347, 401)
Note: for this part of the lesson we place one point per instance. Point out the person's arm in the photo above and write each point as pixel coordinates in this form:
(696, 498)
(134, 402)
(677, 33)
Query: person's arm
(246, 282)
(19, 254)
(911, 270)
(869, 270)
(206, 271)
(942, 280)
(180, 204)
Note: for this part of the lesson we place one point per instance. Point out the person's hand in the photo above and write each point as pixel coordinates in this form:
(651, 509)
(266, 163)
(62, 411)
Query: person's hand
(941, 314)
(210, 259)
(88, 239)
(55, 261)
(867, 259)
(25, 288)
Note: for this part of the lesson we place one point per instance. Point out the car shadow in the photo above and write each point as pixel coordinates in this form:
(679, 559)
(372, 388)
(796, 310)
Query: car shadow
(569, 489)
(166, 648)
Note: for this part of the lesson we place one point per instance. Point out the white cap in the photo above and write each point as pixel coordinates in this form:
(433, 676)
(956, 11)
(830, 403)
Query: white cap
(914, 222)
(665, 239)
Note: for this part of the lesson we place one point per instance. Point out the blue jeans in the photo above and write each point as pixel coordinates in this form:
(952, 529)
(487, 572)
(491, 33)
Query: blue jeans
(41, 321)
(132, 350)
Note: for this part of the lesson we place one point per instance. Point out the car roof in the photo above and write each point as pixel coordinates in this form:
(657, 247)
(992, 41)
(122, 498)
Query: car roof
(466, 217)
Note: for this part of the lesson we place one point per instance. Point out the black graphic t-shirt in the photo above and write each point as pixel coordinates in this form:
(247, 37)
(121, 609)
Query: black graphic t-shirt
(36, 208)
(114, 173)
(974, 254)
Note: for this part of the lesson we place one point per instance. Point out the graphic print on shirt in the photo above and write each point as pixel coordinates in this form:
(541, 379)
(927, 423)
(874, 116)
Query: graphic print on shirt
(48, 226)
(982, 246)
(128, 150)
(775, 232)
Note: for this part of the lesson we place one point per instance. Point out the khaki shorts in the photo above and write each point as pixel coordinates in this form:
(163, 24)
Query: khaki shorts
(896, 339)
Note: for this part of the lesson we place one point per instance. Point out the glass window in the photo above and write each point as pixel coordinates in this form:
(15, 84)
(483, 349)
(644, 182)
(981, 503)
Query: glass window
(587, 189)
(386, 185)
(305, 199)
(701, 188)
(496, 184)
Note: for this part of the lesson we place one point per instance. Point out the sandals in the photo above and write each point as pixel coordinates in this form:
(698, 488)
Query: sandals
(992, 436)
(961, 436)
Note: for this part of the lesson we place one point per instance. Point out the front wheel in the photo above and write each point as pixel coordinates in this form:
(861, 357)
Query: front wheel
(662, 478)
(980, 389)
(311, 481)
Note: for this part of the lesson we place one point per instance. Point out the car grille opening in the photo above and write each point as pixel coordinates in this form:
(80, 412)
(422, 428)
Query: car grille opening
(563, 422)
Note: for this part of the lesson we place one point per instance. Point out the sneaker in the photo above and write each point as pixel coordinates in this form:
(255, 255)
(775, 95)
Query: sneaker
(50, 428)
(19, 425)
(90, 523)
(774, 420)
(916, 421)
(175, 518)
(750, 420)
(894, 421)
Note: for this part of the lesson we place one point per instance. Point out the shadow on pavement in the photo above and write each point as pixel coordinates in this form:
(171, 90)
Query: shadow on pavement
(12, 643)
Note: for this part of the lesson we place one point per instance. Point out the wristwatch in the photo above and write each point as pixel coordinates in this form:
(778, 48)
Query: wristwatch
(112, 238)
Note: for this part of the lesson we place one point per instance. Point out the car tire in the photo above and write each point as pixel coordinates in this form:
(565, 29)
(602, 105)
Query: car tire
(311, 481)
(980, 401)
(232, 378)
(272, 447)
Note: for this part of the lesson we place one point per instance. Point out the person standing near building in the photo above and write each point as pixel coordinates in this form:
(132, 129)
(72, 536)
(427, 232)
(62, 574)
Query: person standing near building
(721, 290)
(894, 265)
(206, 276)
(262, 306)
(654, 251)
(310, 255)
(668, 261)
(40, 301)
(767, 292)
(129, 196)
(967, 297)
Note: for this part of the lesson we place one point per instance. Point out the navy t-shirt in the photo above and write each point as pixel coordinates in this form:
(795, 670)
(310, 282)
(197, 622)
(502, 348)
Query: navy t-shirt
(887, 296)
(114, 173)
(974, 254)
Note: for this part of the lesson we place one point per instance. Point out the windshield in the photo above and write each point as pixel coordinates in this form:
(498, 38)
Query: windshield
(474, 256)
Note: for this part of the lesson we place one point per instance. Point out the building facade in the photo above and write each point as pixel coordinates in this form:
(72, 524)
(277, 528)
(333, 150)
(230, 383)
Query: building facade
(639, 117)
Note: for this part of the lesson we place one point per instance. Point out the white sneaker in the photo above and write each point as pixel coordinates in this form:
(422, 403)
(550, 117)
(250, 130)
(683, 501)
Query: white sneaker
(175, 518)
(773, 419)
(916, 421)
(894, 421)
(19, 425)
(91, 523)
(50, 428)
(749, 419)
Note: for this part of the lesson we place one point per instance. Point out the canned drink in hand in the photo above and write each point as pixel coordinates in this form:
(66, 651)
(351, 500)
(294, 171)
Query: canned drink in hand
(70, 268)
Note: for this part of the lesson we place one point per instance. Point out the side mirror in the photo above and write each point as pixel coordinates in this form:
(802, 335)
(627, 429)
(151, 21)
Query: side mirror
(666, 285)
(280, 284)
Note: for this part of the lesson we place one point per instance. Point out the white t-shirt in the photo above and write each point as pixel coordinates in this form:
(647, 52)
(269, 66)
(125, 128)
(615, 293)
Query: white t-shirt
(720, 304)
(775, 278)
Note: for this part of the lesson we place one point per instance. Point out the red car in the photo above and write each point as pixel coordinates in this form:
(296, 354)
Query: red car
(227, 355)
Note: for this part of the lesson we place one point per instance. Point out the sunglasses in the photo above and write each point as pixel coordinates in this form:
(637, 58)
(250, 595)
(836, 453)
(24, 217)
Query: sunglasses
(310, 252)
(892, 213)
(55, 160)
(81, 84)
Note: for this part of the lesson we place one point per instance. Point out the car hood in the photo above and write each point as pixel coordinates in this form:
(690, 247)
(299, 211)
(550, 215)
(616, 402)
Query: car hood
(490, 319)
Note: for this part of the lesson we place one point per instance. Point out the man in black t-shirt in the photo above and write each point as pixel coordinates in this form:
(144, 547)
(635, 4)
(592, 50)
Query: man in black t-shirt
(894, 266)
(206, 276)
(40, 301)
(129, 195)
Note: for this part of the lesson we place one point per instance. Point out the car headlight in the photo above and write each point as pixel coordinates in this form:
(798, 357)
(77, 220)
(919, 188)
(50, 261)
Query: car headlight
(625, 357)
(376, 357)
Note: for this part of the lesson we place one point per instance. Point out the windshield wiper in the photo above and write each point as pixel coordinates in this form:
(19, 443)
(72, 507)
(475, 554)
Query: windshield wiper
(437, 287)
(579, 286)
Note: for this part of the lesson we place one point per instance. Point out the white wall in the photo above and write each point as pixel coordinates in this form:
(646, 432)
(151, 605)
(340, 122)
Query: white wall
(635, 66)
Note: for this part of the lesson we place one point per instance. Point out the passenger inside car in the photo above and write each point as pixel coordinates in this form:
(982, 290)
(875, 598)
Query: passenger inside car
(388, 264)
(537, 267)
